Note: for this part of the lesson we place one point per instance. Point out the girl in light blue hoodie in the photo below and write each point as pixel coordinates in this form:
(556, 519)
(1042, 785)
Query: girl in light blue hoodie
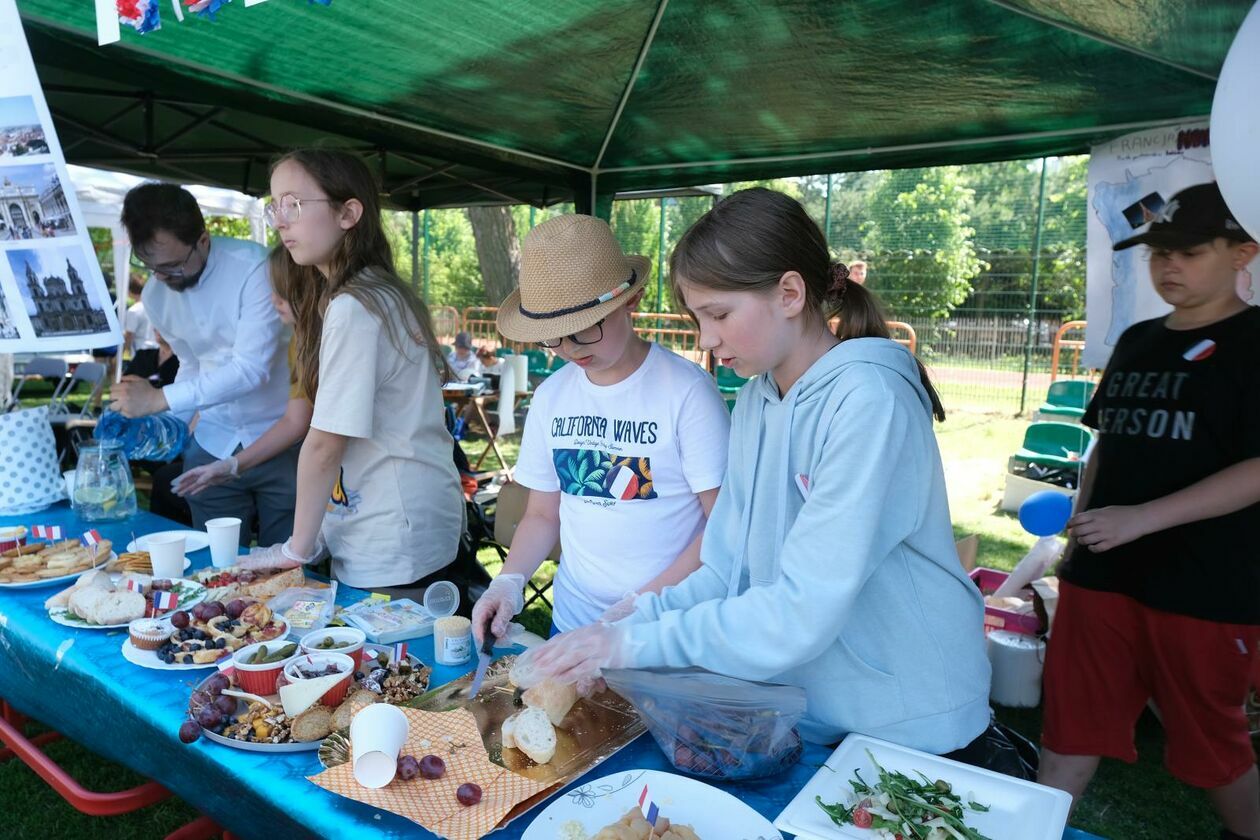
(828, 561)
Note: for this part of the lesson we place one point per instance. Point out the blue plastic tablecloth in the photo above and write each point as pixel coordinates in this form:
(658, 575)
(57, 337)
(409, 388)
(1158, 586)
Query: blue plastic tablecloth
(78, 682)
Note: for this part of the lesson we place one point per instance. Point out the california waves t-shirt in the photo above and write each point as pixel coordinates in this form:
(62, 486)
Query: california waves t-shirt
(628, 460)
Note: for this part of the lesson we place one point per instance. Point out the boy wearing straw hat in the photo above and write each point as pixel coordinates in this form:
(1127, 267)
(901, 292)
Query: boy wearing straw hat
(624, 448)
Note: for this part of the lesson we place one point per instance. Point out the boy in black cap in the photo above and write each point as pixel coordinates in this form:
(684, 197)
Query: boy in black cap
(1160, 588)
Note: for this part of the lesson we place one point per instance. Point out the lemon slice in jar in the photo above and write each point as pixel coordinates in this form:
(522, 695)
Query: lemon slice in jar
(96, 496)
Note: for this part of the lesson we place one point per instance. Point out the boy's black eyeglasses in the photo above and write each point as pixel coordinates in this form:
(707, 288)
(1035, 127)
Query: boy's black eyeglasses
(591, 335)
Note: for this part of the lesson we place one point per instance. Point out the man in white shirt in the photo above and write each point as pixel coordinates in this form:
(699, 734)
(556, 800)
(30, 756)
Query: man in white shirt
(212, 304)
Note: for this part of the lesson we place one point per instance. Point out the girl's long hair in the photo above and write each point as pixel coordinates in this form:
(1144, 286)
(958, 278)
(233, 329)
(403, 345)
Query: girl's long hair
(362, 266)
(750, 239)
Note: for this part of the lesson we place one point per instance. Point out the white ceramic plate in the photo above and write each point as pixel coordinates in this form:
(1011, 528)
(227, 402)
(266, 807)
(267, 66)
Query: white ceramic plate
(241, 706)
(711, 812)
(1018, 810)
(190, 593)
(73, 576)
(193, 540)
(149, 658)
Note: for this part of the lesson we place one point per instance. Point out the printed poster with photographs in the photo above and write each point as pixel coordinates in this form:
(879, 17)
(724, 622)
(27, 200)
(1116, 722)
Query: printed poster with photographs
(1131, 179)
(53, 297)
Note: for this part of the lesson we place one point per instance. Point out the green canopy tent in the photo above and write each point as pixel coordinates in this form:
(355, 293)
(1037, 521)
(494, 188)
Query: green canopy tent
(514, 101)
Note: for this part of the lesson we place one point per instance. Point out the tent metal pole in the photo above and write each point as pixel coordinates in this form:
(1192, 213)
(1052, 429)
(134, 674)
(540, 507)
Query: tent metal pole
(1032, 295)
(427, 240)
(629, 88)
(293, 96)
(660, 260)
(1102, 39)
(415, 249)
(911, 147)
(827, 215)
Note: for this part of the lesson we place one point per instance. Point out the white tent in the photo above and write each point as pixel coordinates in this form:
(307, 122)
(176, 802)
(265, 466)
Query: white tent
(101, 194)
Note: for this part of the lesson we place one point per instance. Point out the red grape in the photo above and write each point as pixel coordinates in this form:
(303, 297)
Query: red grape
(225, 704)
(180, 619)
(468, 794)
(190, 731)
(217, 683)
(432, 767)
(408, 768)
(213, 609)
(209, 717)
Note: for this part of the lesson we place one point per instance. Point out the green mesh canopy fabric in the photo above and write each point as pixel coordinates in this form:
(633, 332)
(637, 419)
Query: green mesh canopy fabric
(505, 101)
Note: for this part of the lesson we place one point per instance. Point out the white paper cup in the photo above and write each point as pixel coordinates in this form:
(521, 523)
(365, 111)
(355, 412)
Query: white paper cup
(377, 735)
(68, 476)
(225, 540)
(166, 553)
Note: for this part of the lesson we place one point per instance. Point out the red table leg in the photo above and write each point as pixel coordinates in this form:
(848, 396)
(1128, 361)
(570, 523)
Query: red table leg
(89, 802)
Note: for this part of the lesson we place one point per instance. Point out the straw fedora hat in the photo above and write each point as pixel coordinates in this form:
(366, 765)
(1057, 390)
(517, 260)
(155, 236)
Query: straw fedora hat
(573, 274)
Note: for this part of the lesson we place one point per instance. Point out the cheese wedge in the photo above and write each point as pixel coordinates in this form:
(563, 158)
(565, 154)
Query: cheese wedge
(299, 696)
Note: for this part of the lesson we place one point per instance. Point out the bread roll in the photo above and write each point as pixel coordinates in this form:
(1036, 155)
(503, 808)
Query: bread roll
(94, 578)
(119, 607)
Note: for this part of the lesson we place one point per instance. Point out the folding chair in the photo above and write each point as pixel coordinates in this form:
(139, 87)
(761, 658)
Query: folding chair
(73, 427)
(1066, 401)
(94, 374)
(509, 510)
(40, 367)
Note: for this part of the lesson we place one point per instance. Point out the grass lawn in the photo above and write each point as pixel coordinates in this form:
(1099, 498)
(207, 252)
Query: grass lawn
(1132, 802)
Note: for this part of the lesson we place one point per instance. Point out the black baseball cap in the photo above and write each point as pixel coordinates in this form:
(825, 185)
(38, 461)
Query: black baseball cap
(1193, 216)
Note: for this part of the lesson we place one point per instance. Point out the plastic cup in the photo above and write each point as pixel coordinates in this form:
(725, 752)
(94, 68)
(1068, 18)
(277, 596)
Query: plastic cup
(377, 735)
(225, 540)
(166, 553)
(68, 477)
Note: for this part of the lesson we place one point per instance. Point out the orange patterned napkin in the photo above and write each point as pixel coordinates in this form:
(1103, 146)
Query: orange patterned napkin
(453, 737)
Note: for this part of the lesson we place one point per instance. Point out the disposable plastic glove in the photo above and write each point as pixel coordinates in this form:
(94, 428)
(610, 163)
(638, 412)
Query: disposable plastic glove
(503, 599)
(580, 656)
(199, 478)
(280, 556)
(622, 609)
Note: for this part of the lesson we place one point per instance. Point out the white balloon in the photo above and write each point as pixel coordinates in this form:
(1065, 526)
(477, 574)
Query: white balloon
(1236, 125)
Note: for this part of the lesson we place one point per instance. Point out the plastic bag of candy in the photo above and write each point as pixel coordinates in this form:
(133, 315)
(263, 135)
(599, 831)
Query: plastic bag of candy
(715, 726)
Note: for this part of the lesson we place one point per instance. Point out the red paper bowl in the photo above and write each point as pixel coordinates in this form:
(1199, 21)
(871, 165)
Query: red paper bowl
(258, 679)
(319, 662)
(349, 640)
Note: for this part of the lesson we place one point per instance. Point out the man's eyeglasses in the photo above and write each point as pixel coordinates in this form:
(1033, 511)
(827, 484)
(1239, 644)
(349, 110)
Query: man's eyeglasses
(590, 335)
(287, 208)
(170, 269)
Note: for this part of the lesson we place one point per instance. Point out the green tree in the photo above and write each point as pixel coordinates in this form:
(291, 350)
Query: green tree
(921, 240)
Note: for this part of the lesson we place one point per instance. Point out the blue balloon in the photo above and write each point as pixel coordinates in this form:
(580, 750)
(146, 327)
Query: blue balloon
(1045, 513)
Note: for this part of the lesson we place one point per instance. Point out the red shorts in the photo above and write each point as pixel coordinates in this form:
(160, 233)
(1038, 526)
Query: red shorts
(1109, 654)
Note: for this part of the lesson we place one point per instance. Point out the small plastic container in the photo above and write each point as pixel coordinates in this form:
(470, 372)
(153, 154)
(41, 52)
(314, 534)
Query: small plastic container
(395, 621)
(259, 679)
(453, 640)
(318, 662)
(348, 640)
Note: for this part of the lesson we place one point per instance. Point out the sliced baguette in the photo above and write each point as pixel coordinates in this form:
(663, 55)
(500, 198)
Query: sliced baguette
(553, 698)
(534, 735)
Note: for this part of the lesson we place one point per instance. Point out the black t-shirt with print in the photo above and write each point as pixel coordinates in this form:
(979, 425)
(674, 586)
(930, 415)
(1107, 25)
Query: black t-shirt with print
(1174, 407)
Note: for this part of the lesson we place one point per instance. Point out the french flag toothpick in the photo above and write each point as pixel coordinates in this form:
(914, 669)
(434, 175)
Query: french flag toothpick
(135, 585)
(648, 807)
(164, 600)
(46, 532)
(400, 652)
(92, 537)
